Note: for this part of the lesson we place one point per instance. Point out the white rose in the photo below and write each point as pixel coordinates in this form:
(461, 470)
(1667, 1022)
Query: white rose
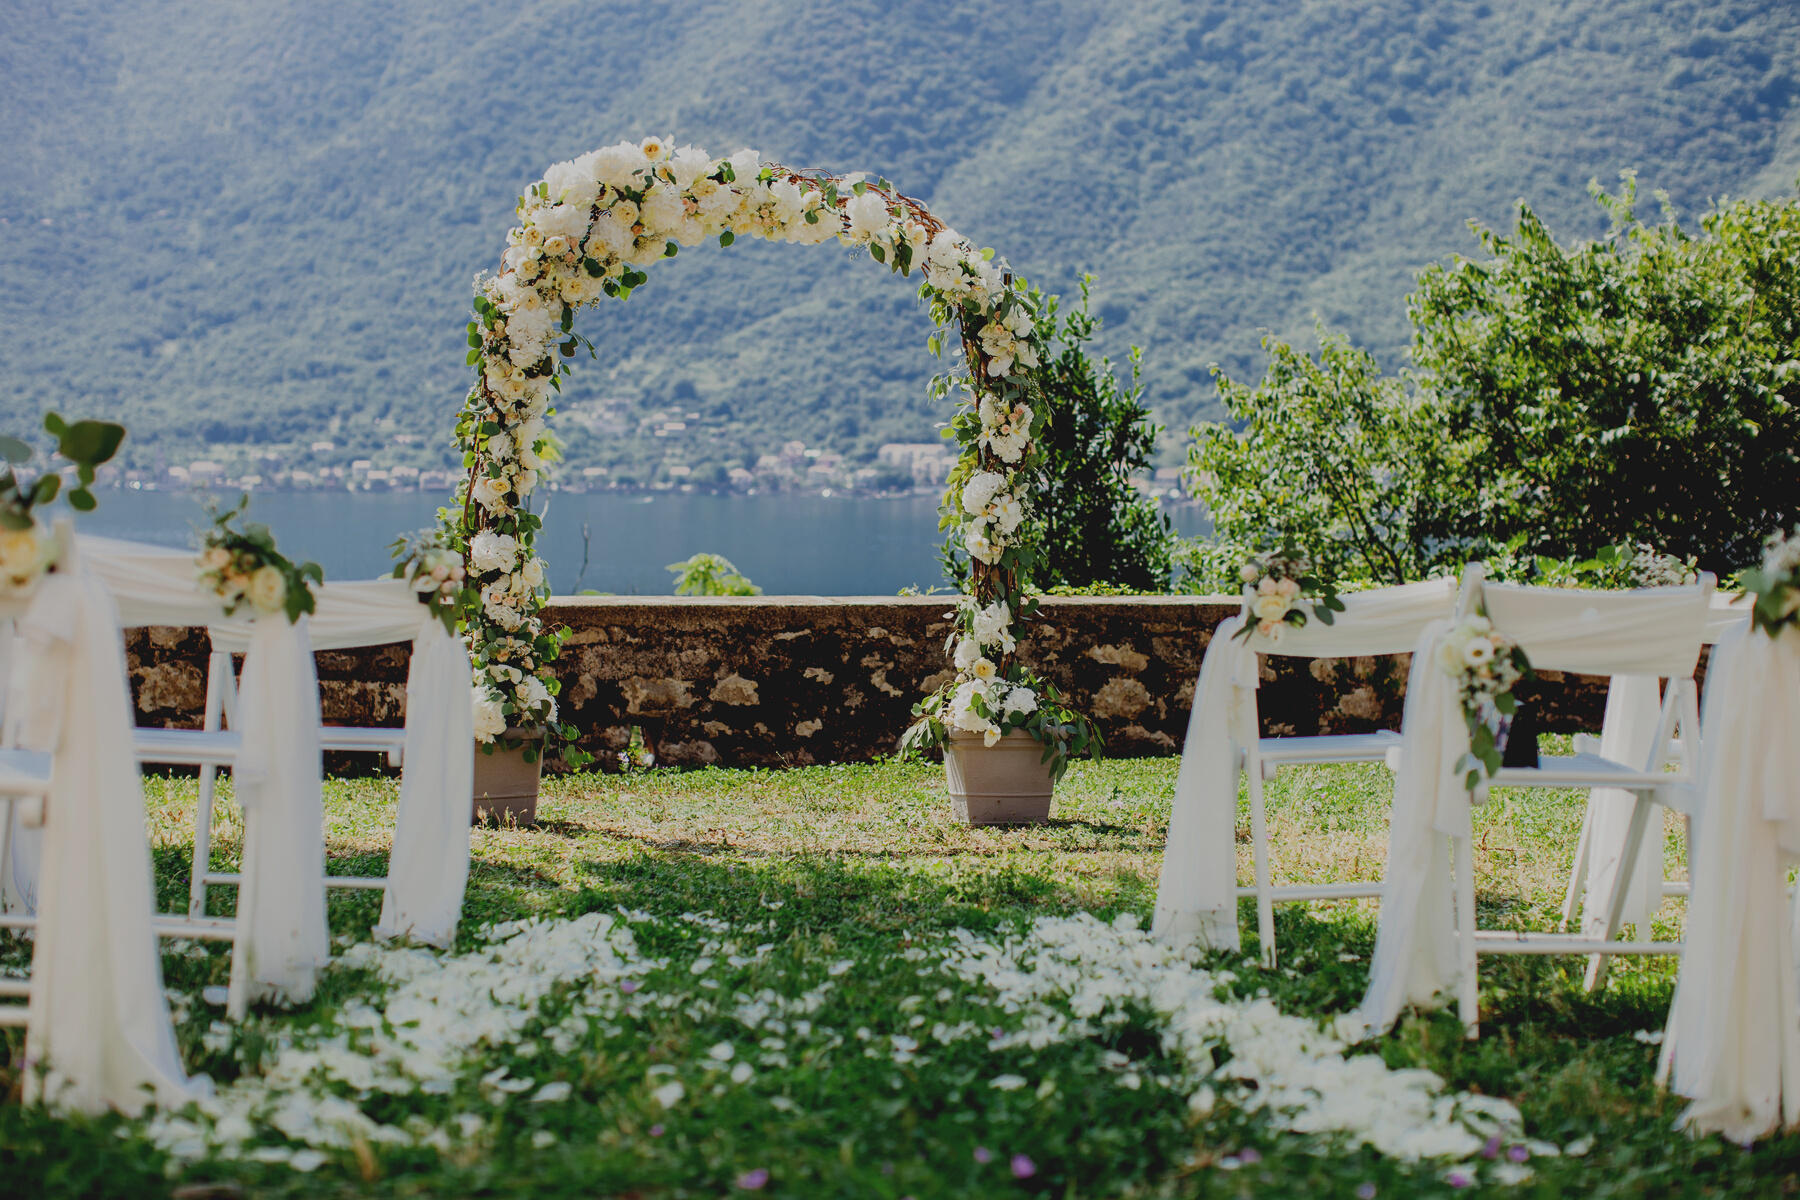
(490, 551)
(746, 165)
(990, 736)
(1270, 607)
(1478, 653)
(490, 721)
(268, 590)
(1272, 630)
(533, 574)
(662, 211)
(1248, 572)
(966, 654)
(617, 166)
(984, 669)
(491, 494)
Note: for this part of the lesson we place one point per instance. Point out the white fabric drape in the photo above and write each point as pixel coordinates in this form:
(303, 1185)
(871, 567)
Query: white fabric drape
(277, 780)
(1653, 632)
(428, 868)
(97, 1019)
(1633, 712)
(1735, 1023)
(1196, 897)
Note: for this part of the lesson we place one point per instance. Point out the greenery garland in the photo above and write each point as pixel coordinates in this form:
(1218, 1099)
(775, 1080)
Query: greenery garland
(587, 231)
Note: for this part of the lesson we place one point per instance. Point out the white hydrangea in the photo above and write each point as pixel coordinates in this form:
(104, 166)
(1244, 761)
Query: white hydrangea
(567, 221)
(868, 215)
(966, 653)
(962, 714)
(662, 211)
(490, 720)
(979, 490)
(688, 165)
(572, 184)
(490, 551)
(1021, 700)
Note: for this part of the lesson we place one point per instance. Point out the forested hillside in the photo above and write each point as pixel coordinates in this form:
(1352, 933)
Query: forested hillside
(234, 223)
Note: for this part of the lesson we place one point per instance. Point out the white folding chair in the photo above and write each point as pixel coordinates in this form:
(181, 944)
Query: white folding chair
(216, 745)
(1264, 757)
(1655, 631)
(1722, 616)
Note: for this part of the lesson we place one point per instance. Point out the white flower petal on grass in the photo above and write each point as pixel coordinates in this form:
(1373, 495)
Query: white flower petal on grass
(669, 1094)
(551, 1092)
(839, 967)
(307, 1161)
(742, 1072)
(1007, 1083)
(542, 1138)
(701, 966)
(722, 1052)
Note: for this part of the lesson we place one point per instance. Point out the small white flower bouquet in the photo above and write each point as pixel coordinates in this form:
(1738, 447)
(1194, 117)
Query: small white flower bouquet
(1774, 588)
(986, 699)
(1281, 590)
(242, 567)
(434, 568)
(1485, 664)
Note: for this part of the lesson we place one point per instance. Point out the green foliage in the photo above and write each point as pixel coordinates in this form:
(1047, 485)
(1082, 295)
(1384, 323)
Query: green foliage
(1629, 388)
(711, 575)
(86, 444)
(429, 560)
(1089, 523)
(1327, 455)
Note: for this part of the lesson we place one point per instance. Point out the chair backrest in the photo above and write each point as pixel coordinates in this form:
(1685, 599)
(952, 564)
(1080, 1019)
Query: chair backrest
(1385, 620)
(1649, 631)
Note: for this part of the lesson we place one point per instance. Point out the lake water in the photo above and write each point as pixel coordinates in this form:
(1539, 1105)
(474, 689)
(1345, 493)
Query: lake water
(788, 544)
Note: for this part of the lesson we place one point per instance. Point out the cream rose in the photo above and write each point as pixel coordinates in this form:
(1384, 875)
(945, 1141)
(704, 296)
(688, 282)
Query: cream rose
(268, 590)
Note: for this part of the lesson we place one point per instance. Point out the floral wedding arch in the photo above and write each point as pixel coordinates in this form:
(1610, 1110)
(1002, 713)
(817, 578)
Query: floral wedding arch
(588, 231)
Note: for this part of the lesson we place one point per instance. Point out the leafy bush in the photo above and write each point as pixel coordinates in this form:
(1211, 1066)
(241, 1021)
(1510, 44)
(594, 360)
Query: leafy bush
(1627, 389)
(711, 575)
(1328, 455)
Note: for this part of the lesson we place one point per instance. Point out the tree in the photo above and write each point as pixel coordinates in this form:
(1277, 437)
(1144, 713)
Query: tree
(1092, 525)
(1630, 389)
(1329, 456)
(711, 575)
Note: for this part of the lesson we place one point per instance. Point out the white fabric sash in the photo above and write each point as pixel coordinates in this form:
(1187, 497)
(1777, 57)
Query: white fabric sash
(97, 1017)
(1196, 897)
(277, 780)
(1633, 713)
(428, 869)
(1735, 1023)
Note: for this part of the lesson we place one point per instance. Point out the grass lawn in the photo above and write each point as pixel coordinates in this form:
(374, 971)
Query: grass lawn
(814, 983)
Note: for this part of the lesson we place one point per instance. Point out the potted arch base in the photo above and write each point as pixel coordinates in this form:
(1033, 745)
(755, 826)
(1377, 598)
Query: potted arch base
(1007, 783)
(506, 786)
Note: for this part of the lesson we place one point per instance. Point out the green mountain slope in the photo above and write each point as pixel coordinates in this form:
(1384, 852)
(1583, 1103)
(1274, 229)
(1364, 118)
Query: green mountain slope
(235, 224)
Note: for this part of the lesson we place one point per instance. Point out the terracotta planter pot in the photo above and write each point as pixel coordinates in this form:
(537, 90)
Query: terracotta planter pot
(506, 786)
(1002, 784)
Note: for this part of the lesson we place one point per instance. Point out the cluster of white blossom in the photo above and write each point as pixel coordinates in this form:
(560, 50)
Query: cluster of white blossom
(432, 1023)
(994, 514)
(587, 230)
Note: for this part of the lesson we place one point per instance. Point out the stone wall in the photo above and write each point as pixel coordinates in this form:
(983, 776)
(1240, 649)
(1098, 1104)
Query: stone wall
(790, 680)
